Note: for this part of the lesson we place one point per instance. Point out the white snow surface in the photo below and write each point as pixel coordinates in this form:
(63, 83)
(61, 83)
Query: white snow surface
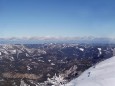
(0, 53)
(103, 74)
(99, 50)
(81, 49)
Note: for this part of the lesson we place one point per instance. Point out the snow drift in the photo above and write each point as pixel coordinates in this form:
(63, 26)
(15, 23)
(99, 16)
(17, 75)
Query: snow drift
(103, 74)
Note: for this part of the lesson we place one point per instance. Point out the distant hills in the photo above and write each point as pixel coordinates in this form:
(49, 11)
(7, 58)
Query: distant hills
(39, 40)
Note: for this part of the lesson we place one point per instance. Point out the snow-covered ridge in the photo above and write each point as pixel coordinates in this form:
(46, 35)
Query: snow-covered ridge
(103, 74)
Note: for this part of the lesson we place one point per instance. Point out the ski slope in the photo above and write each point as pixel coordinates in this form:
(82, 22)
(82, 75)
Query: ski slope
(103, 74)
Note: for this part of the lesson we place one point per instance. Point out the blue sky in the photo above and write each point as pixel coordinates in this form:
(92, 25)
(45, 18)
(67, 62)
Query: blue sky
(65, 18)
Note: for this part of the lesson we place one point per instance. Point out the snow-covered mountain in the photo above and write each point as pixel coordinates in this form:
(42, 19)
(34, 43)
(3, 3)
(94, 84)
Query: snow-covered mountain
(48, 64)
(102, 74)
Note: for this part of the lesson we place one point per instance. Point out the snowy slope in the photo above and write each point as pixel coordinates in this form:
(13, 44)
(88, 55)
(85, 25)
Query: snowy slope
(103, 74)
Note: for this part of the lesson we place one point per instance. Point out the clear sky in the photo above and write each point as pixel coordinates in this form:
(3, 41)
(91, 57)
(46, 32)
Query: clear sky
(68, 18)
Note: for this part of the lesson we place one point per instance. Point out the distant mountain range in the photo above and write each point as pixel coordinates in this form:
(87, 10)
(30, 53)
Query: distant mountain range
(37, 40)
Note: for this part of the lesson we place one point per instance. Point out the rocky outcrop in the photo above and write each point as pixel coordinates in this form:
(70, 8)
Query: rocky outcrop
(72, 71)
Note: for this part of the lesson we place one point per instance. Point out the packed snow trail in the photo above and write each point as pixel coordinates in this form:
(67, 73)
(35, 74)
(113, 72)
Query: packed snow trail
(103, 74)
